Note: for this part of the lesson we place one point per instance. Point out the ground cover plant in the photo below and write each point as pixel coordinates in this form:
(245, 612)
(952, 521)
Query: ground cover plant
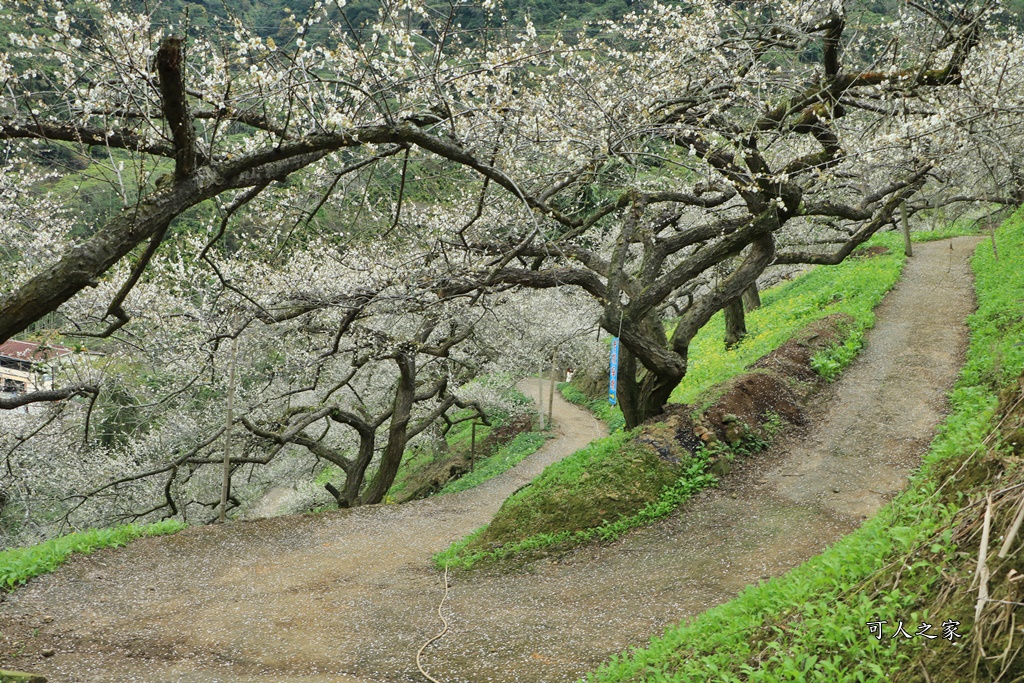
(853, 287)
(508, 456)
(811, 624)
(18, 565)
(569, 503)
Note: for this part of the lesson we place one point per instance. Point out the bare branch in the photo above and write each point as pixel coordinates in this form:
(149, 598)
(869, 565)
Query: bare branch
(49, 395)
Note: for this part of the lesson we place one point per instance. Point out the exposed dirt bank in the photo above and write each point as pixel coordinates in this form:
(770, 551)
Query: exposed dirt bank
(350, 596)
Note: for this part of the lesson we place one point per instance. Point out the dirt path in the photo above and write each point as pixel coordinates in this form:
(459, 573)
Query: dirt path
(350, 596)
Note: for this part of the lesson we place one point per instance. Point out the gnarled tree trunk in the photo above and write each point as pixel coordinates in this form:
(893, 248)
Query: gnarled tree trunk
(735, 323)
(751, 298)
(398, 431)
(643, 397)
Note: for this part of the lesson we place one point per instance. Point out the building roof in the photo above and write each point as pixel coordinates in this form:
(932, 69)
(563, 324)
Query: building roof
(30, 351)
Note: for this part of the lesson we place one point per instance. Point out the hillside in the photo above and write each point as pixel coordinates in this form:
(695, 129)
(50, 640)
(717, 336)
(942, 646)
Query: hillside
(944, 555)
(277, 18)
(293, 291)
(556, 620)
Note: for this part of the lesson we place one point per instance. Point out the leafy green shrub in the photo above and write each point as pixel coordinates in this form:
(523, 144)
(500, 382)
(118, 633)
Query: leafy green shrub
(830, 362)
(18, 565)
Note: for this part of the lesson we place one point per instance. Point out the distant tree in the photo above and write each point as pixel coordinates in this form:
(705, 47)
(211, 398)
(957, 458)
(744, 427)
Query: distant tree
(409, 388)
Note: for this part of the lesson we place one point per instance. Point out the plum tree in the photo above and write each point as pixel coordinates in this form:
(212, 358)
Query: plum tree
(365, 210)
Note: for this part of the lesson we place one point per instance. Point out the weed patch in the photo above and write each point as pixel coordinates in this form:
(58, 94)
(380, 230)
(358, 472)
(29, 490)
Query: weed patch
(18, 565)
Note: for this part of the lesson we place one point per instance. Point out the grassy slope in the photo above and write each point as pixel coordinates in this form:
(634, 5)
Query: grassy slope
(507, 457)
(854, 287)
(810, 624)
(566, 505)
(18, 565)
(504, 457)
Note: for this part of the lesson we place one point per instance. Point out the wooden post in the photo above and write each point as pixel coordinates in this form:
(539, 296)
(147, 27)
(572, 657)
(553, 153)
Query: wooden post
(472, 445)
(908, 250)
(540, 405)
(226, 484)
(551, 391)
(992, 232)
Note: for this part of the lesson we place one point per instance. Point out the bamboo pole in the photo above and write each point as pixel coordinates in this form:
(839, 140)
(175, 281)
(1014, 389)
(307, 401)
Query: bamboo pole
(981, 576)
(540, 387)
(226, 483)
(551, 391)
(1011, 535)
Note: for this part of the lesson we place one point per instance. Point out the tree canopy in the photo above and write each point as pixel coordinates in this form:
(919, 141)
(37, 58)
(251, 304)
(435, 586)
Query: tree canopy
(370, 217)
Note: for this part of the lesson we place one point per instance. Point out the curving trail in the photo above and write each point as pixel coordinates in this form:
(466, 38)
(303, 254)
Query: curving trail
(350, 596)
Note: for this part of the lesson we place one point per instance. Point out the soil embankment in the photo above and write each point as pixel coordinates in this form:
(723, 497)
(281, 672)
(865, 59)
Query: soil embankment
(350, 596)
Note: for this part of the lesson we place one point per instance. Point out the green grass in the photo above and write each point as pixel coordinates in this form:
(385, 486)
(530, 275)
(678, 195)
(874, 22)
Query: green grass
(609, 414)
(962, 227)
(810, 624)
(854, 287)
(578, 487)
(18, 565)
(507, 457)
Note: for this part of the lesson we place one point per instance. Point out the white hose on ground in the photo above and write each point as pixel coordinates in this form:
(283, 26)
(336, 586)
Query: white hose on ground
(439, 635)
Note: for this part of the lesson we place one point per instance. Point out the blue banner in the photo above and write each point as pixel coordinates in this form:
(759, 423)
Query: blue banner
(613, 372)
